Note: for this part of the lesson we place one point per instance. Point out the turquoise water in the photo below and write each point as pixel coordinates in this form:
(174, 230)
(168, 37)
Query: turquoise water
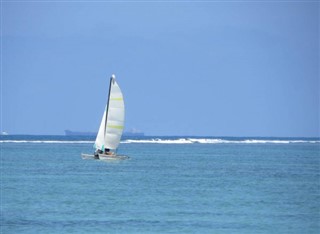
(169, 185)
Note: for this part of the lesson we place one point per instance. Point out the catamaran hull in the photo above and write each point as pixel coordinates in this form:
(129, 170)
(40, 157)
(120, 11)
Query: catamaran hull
(88, 156)
(104, 157)
(112, 157)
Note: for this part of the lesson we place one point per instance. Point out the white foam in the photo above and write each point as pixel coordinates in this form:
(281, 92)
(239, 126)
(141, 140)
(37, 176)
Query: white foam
(174, 141)
(47, 142)
(160, 141)
(215, 141)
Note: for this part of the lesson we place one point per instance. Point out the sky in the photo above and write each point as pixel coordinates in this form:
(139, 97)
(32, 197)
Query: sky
(208, 68)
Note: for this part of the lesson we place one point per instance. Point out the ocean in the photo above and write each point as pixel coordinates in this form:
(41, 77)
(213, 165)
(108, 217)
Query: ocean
(169, 185)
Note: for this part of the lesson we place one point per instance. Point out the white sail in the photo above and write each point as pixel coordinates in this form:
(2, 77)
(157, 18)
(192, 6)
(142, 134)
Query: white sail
(112, 122)
(99, 143)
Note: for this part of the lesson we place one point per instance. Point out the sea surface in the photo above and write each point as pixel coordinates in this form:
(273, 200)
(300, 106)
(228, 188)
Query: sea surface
(169, 185)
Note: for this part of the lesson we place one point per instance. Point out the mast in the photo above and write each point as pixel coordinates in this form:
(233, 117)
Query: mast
(107, 109)
(112, 122)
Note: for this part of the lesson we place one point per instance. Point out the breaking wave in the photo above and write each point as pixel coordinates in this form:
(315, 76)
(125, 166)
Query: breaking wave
(46, 142)
(175, 141)
(216, 141)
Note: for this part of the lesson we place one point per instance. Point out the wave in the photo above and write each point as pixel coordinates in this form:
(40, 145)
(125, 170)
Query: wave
(47, 142)
(174, 141)
(217, 141)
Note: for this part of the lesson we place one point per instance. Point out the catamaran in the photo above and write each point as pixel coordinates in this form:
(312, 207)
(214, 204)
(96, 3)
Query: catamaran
(111, 127)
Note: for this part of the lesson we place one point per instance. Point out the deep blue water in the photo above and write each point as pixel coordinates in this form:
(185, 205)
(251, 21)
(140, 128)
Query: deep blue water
(169, 185)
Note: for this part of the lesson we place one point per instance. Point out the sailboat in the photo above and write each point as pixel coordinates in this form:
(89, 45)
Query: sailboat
(111, 127)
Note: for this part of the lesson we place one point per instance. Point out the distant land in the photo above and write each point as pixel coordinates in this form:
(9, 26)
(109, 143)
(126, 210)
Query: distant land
(132, 132)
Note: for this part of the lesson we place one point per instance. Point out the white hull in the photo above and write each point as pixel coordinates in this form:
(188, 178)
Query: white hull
(87, 156)
(105, 157)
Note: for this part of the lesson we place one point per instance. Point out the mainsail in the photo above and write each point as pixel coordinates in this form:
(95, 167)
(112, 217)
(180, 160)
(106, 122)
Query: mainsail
(112, 122)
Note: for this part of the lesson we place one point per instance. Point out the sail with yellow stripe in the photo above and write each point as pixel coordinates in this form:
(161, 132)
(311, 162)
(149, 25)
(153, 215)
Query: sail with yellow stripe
(112, 122)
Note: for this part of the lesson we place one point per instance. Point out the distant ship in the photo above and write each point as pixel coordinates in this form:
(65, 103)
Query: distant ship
(132, 132)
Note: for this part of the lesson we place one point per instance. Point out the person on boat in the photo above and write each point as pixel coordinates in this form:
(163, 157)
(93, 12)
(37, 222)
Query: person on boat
(107, 151)
(97, 152)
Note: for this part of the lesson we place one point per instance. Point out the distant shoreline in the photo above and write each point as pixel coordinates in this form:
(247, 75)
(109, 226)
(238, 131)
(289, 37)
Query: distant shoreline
(170, 136)
(74, 139)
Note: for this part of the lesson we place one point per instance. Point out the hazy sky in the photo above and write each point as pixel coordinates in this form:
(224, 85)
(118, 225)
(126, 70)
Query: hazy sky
(211, 68)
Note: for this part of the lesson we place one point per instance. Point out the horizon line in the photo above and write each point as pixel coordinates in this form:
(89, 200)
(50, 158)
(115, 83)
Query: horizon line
(169, 135)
